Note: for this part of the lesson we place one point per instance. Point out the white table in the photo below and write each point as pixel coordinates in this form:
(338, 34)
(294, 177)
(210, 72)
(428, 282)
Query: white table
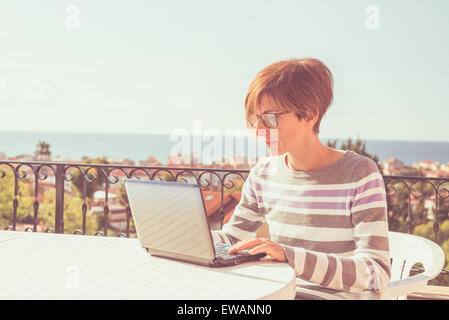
(62, 266)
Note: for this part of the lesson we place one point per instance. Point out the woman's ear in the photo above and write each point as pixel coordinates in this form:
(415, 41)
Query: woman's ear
(311, 119)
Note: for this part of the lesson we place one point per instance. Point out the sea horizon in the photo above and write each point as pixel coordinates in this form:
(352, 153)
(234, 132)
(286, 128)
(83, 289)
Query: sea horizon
(140, 146)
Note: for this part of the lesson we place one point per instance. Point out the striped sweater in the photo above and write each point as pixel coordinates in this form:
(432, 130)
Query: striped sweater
(331, 222)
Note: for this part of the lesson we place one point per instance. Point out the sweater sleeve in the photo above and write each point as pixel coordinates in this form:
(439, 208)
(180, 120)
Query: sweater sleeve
(246, 219)
(368, 268)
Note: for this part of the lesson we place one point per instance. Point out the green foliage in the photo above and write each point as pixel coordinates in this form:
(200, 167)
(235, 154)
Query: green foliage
(167, 177)
(396, 224)
(445, 247)
(78, 180)
(25, 200)
(238, 185)
(73, 217)
(122, 196)
(397, 202)
(426, 231)
(123, 200)
(398, 209)
(46, 209)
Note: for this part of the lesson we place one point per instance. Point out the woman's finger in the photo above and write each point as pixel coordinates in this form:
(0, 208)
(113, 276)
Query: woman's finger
(259, 249)
(245, 244)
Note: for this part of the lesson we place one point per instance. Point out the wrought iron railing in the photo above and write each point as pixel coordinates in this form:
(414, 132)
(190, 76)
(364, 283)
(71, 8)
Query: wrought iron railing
(111, 174)
(405, 189)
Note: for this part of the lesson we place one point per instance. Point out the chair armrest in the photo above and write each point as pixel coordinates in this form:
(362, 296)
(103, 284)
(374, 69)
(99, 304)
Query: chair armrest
(405, 286)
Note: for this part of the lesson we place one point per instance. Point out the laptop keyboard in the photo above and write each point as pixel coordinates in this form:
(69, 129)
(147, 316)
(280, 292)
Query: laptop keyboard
(222, 250)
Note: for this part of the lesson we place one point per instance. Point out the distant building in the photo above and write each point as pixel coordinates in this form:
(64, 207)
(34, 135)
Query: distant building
(128, 162)
(59, 158)
(432, 169)
(392, 165)
(176, 159)
(48, 185)
(445, 167)
(42, 157)
(22, 157)
(116, 216)
(427, 165)
(150, 162)
(436, 173)
(2, 156)
(100, 196)
(429, 206)
(188, 160)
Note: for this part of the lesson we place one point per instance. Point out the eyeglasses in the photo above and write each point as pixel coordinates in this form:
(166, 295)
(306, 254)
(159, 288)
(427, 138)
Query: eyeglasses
(269, 120)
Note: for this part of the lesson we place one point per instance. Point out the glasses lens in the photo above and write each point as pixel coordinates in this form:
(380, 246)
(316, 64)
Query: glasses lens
(270, 120)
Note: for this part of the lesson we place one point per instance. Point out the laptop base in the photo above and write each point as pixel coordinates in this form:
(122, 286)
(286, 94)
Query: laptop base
(217, 262)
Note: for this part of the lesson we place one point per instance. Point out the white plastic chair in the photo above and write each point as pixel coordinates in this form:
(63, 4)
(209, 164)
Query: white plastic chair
(405, 251)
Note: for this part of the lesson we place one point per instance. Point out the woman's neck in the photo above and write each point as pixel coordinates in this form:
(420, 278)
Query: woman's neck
(312, 157)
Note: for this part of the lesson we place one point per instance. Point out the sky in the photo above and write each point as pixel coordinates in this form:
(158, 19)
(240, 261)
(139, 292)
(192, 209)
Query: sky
(143, 66)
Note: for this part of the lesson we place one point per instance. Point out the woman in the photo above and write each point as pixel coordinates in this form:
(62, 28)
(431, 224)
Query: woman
(325, 208)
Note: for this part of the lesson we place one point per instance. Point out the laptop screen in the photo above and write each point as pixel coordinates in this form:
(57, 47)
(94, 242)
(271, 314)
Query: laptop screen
(170, 216)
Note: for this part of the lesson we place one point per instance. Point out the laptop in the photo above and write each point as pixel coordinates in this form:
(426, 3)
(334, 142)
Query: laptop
(171, 222)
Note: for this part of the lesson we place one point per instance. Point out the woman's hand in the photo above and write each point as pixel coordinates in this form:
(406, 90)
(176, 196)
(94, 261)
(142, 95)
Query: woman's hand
(259, 245)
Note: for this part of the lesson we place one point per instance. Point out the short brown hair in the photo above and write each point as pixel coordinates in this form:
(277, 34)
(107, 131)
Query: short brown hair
(302, 86)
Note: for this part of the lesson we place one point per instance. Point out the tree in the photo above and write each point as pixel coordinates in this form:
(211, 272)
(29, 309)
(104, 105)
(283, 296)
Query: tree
(421, 192)
(25, 200)
(122, 195)
(46, 210)
(73, 217)
(79, 180)
(167, 177)
(42, 150)
(123, 200)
